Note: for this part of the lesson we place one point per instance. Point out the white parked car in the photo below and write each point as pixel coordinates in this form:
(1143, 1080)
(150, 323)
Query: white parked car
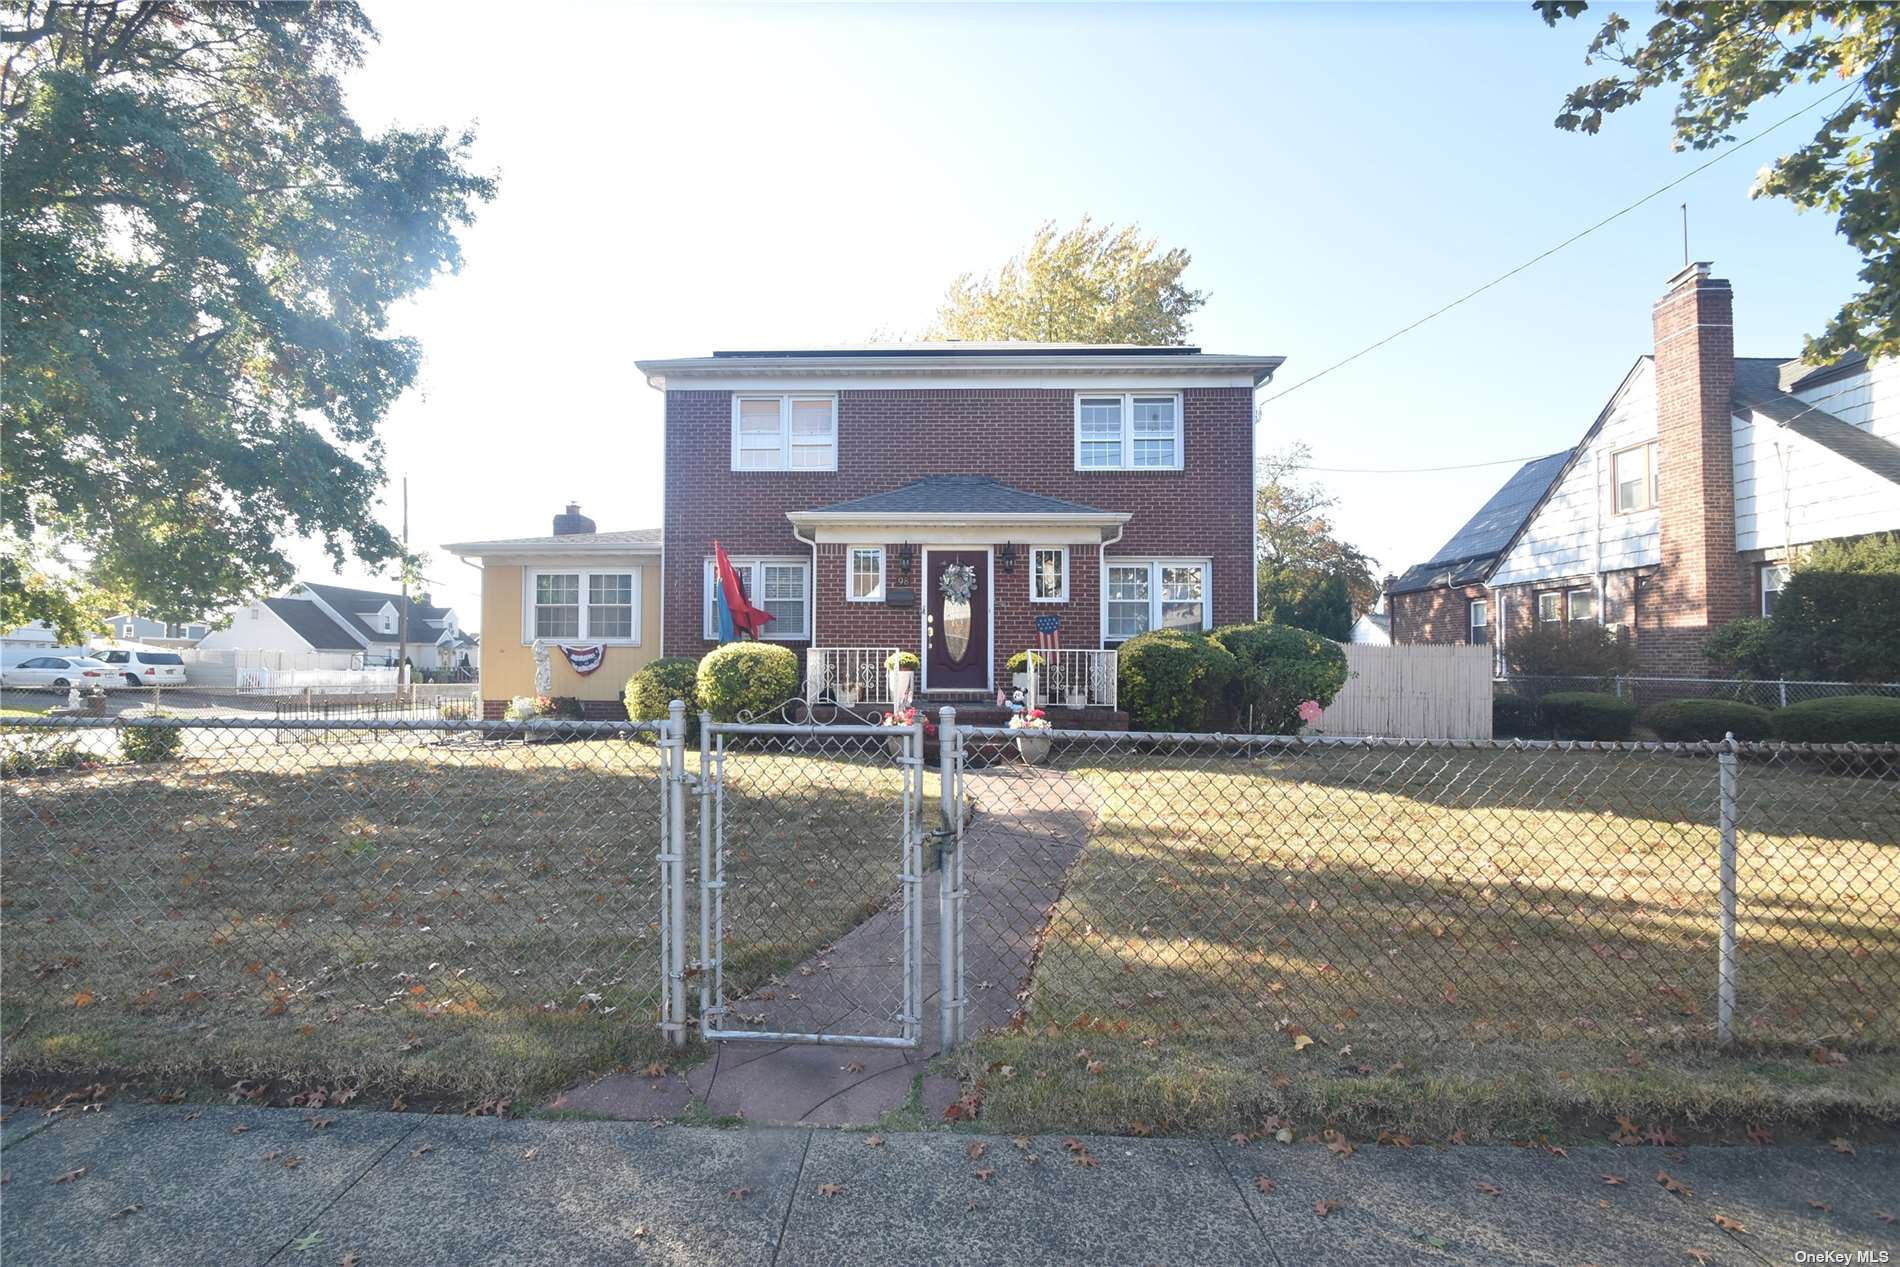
(142, 667)
(60, 673)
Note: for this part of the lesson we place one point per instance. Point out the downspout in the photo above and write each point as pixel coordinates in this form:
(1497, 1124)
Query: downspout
(813, 597)
(1101, 585)
(1598, 459)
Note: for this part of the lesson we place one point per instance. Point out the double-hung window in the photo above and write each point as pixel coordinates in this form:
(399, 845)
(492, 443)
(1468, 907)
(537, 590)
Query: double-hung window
(583, 606)
(1636, 475)
(784, 433)
(1155, 594)
(1550, 605)
(780, 586)
(1480, 611)
(1583, 603)
(866, 581)
(1773, 577)
(1128, 431)
(1049, 574)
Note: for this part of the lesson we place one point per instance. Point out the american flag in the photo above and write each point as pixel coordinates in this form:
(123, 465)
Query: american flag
(1049, 633)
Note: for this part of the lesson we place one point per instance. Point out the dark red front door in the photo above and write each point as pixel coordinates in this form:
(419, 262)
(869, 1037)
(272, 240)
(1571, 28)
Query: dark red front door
(958, 623)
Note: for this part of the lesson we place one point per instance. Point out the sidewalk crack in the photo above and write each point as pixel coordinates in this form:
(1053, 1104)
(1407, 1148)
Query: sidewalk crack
(374, 1162)
(778, 1246)
(1245, 1204)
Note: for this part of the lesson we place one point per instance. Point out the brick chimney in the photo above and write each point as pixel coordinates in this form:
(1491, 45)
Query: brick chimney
(572, 521)
(1699, 584)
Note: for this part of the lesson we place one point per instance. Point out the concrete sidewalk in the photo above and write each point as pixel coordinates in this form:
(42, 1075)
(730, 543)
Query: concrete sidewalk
(188, 1185)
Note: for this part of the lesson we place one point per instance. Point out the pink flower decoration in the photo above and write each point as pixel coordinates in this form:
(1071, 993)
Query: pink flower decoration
(1310, 711)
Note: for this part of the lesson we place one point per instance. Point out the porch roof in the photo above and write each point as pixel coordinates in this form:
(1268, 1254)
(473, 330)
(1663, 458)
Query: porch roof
(958, 494)
(961, 508)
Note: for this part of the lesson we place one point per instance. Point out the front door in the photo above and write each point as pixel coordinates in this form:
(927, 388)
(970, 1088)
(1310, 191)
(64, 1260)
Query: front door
(957, 621)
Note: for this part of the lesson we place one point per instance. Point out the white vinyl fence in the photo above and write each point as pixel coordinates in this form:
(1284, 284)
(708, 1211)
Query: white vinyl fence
(1414, 690)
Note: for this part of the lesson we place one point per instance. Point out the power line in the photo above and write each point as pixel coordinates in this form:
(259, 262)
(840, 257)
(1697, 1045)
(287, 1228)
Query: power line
(1575, 237)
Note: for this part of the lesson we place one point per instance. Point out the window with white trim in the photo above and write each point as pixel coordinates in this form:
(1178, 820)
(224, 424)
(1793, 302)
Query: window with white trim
(1049, 574)
(784, 433)
(867, 575)
(1129, 431)
(583, 606)
(1480, 611)
(1773, 577)
(1550, 605)
(1635, 478)
(1583, 604)
(780, 586)
(1155, 594)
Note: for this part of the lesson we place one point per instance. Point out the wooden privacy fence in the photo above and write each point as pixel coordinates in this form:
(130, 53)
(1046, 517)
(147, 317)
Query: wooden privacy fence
(1414, 690)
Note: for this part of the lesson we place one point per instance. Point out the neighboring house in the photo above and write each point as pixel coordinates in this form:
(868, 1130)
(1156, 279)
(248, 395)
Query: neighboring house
(1107, 487)
(1371, 630)
(155, 633)
(28, 639)
(1680, 508)
(352, 628)
(577, 589)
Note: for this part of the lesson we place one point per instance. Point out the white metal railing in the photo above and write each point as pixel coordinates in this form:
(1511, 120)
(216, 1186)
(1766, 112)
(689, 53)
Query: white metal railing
(1078, 677)
(848, 675)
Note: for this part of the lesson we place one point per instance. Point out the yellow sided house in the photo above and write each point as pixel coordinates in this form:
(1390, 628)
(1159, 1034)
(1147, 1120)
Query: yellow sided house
(592, 599)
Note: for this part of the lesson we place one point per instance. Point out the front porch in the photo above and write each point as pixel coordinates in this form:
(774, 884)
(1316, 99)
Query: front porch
(1076, 687)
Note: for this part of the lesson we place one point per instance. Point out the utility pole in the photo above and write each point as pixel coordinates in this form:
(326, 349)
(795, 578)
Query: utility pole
(402, 608)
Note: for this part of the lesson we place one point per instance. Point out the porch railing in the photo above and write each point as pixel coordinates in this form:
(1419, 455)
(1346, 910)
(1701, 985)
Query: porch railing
(847, 675)
(1079, 677)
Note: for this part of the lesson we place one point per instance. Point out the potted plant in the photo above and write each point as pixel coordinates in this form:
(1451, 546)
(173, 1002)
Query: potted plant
(1032, 735)
(1019, 673)
(900, 671)
(903, 718)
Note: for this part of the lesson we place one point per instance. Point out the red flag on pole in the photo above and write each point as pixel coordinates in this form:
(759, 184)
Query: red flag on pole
(746, 618)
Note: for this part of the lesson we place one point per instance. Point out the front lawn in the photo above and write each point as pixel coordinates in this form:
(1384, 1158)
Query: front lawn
(1435, 939)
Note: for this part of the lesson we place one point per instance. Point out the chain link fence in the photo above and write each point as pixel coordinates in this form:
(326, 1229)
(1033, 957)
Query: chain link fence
(1645, 691)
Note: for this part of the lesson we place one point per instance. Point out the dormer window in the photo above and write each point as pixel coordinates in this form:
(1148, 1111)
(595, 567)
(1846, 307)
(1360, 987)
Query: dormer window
(784, 433)
(1130, 431)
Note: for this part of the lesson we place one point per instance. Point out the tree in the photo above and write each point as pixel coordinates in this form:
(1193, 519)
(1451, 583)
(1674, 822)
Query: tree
(1730, 56)
(201, 252)
(1086, 285)
(1307, 577)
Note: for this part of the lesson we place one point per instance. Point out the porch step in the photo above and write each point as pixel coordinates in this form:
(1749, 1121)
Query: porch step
(984, 712)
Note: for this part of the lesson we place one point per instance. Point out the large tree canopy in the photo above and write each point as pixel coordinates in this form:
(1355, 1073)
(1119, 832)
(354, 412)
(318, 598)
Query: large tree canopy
(1086, 285)
(1308, 577)
(1730, 56)
(199, 251)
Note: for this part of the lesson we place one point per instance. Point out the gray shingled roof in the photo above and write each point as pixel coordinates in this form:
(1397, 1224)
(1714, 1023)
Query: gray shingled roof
(1758, 387)
(631, 537)
(311, 623)
(949, 494)
(348, 602)
(1467, 558)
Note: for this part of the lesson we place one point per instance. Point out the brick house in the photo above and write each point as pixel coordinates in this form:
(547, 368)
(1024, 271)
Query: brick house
(860, 492)
(1682, 504)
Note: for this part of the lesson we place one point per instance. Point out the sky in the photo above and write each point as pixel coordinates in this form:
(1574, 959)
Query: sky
(676, 180)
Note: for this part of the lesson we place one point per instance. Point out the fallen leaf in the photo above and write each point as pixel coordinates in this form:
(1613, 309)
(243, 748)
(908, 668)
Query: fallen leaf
(738, 1194)
(1458, 1136)
(1757, 1134)
(1302, 1041)
(653, 1070)
(1489, 1189)
(1264, 1185)
(1086, 1160)
(1883, 1216)
(1827, 1056)
(1097, 1068)
(531, 1154)
(134, 1208)
(1140, 1130)
(1727, 1224)
(976, 1150)
(399, 1105)
(351, 1259)
(1671, 1185)
(854, 1066)
(1841, 1145)
(874, 1141)
(984, 1173)
(1074, 1145)
(1822, 1206)
(642, 1230)
(72, 1175)
(1324, 1208)
(830, 1189)
(1240, 1138)
(423, 1150)
(1701, 1256)
(239, 1130)
(1613, 1181)
(1338, 1144)
(292, 1162)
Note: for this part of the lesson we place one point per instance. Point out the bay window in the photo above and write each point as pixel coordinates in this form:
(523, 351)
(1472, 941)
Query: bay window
(1140, 595)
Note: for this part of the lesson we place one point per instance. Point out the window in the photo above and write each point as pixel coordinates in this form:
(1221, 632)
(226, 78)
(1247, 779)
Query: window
(128, 630)
(1583, 604)
(781, 586)
(1636, 476)
(785, 433)
(1128, 432)
(584, 606)
(1155, 595)
(1773, 577)
(867, 574)
(1480, 621)
(1550, 605)
(1049, 575)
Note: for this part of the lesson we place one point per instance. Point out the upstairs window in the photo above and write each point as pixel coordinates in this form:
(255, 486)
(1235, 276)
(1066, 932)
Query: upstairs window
(1635, 475)
(784, 433)
(1128, 432)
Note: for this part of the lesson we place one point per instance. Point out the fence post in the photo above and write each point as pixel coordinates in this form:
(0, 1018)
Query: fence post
(1783, 684)
(1725, 980)
(709, 881)
(674, 872)
(949, 848)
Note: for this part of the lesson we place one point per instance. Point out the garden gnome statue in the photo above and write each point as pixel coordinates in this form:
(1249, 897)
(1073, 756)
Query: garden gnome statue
(543, 671)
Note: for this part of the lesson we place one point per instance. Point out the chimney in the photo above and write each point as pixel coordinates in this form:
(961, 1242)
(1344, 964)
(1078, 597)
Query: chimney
(572, 521)
(1699, 582)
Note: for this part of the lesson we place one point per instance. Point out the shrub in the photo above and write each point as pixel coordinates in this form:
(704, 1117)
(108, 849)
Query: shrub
(150, 743)
(1839, 626)
(746, 677)
(1514, 717)
(36, 754)
(1841, 719)
(1019, 663)
(1279, 669)
(1687, 720)
(1559, 648)
(1743, 648)
(1586, 715)
(651, 691)
(1877, 553)
(1175, 679)
(901, 661)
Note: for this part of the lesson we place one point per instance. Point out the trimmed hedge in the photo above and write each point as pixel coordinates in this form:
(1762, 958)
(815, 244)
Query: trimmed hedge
(651, 692)
(1279, 668)
(1514, 717)
(1586, 715)
(150, 743)
(748, 677)
(1688, 720)
(1838, 626)
(1176, 679)
(1840, 719)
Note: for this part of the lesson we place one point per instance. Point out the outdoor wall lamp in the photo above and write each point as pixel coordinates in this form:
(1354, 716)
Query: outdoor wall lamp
(1007, 556)
(904, 557)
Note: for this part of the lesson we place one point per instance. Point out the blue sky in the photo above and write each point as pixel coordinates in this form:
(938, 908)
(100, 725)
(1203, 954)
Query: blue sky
(676, 180)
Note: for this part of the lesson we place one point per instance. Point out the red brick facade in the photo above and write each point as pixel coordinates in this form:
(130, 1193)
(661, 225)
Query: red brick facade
(1023, 437)
(1435, 615)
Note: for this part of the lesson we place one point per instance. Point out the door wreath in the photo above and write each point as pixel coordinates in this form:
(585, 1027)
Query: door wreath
(958, 582)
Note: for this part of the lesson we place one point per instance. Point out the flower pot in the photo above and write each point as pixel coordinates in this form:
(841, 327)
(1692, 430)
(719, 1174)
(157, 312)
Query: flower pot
(1033, 748)
(899, 680)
